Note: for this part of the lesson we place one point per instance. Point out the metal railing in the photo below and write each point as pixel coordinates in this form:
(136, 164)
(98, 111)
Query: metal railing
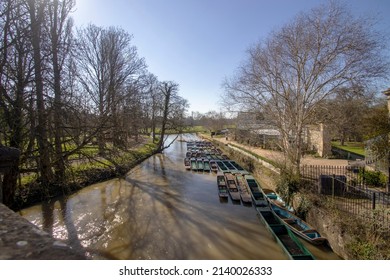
(348, 191)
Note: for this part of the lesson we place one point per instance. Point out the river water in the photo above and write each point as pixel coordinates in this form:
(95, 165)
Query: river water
(159, 211)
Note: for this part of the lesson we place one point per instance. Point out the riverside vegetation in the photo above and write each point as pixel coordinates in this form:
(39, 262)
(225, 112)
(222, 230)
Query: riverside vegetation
(86, 169)
(349, 236)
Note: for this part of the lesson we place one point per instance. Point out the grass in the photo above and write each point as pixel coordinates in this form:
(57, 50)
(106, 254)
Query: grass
(353, 147)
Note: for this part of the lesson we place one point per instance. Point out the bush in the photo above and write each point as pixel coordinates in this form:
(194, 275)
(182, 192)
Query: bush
(287, 186)
(373, 178)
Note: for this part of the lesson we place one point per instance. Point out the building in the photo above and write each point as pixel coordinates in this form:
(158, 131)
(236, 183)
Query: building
(255, 130)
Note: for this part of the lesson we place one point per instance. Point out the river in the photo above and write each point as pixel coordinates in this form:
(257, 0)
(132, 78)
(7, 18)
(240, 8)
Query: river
(159, 211)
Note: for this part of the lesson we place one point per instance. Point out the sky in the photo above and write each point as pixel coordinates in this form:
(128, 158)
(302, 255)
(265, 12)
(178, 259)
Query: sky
(197, 43)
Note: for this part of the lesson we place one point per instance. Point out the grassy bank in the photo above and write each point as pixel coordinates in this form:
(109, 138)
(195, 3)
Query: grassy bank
(353, 147)
(82, 173)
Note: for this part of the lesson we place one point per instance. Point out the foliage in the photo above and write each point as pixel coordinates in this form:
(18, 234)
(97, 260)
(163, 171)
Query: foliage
(288, 75)
(81, 173)
(287, 186)
(304, 205)
(373, 178)
(376, 121)
(72, 99)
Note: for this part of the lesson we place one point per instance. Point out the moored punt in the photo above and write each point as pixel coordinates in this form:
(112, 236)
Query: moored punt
(206, 165)
(290, 244)
(257, 194)
(213, 166)
(199, 162)
(222, 188)
(276, 199)
(194, 166)
(243, 189)
(229, 165)
(232, 186)
(297, 225)
(236, 165)
(219, 157)
(187, 163)
(222, 166)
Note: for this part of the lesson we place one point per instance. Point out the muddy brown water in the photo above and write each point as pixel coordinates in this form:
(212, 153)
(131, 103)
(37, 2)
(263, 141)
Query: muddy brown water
(159, 211)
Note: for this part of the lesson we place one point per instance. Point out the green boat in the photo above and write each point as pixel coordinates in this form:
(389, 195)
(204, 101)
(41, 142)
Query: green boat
(194, 166)
(206, 165)
(290, 244)
(200, 164)
(222, 166)
(257, 194)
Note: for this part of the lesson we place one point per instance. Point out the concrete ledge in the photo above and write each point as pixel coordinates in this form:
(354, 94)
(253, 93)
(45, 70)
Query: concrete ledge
(21, 240)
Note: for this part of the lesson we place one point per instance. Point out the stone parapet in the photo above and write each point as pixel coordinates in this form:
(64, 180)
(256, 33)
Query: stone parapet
(21, 240)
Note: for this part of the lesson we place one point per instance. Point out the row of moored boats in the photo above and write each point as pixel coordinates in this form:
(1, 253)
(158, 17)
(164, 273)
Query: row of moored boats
(240, 185)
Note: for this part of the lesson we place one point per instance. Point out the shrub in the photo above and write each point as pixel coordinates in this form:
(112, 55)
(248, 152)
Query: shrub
(373, 178)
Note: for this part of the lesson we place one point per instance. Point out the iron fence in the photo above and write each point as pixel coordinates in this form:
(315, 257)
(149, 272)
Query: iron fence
(350, 193)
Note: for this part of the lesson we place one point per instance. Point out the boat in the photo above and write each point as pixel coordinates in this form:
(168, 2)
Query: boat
(258, 197)
(237, 166)
(194, 166)
(297, 225)
(276, 199)
(229, 166)
(187, 163)
(232, 186)
(222, 188)
(213, 166)
(243, 189)
(222, 166)
(199, 162)
(290, 244)
(206, 165)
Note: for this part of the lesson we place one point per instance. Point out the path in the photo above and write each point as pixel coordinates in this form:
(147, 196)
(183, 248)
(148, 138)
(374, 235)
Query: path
(278, 156)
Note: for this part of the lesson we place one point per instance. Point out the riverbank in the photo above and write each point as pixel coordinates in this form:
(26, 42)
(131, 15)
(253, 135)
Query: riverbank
(78, 178)
(348, 235)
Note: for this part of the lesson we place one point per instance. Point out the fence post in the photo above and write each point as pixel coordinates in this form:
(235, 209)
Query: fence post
(333, 179)
(373, 200)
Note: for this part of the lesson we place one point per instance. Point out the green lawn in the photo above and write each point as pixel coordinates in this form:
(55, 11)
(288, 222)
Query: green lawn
(354, 147)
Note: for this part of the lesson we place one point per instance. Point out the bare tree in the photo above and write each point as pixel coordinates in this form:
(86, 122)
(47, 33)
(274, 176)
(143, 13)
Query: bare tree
(36, 11)
(173, 110)
(60, 36)
(303, 63)
(154, 98)
(344, 113)
(107, 64)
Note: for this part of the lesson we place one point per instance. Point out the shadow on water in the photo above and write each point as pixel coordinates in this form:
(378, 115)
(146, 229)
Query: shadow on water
(158, 211)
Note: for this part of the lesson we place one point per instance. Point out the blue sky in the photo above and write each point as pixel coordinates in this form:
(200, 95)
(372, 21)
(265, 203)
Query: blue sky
(197, 43)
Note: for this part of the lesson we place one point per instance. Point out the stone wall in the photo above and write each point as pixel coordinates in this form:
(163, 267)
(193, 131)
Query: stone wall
(318, 139)
(21, 240)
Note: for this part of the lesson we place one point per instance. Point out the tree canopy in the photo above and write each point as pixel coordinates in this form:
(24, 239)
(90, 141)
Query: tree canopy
(287, 75)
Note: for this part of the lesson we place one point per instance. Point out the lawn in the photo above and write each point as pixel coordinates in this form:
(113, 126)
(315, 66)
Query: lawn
(354, 147)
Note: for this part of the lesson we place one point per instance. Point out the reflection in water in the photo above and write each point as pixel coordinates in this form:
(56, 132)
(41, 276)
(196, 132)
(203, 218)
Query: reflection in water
(159, 211)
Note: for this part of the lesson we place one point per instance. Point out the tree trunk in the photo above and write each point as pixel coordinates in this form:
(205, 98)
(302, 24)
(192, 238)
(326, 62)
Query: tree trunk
(59, 164)
(160, 145)
(44, 164)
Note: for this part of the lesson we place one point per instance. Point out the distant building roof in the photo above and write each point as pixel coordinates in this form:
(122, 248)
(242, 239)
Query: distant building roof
(271, 132)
